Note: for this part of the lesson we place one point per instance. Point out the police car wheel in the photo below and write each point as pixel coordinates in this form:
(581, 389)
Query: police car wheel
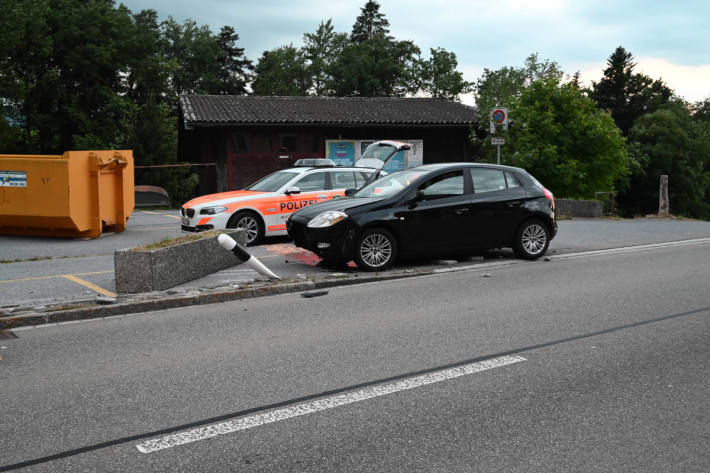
(376, 250)
(249, 222)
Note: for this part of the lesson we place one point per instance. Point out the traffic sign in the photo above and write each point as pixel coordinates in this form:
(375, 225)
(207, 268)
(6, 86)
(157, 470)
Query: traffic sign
(497, 141)
(499, 118)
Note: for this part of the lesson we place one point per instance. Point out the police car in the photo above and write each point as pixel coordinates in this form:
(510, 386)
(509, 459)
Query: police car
(262, 208)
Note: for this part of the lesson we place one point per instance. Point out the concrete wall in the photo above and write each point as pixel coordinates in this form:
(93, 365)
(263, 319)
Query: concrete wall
(156, 270)
(578, 208)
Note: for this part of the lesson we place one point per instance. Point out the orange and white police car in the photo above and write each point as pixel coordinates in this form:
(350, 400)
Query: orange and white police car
(263, 208)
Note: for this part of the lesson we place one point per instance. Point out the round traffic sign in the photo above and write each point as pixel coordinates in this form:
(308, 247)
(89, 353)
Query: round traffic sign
(498, 116)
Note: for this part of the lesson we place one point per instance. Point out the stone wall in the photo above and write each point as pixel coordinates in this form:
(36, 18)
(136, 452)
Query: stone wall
(578, 208)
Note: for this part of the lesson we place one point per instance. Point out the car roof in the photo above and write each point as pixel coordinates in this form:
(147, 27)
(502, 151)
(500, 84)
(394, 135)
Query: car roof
(441, 166)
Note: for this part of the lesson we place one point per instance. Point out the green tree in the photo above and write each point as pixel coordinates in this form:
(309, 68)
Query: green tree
(668, 142)
(25, 79)
(233, 69)
(564, 140)
(498, 88)
(321, 49)
(282, 71)
(626, 94)
(379, 67)
(191, 52)
(439, 77)
(370, 24)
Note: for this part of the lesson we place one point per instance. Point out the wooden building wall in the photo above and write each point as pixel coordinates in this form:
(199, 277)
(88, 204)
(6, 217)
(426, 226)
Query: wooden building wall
(247, 153)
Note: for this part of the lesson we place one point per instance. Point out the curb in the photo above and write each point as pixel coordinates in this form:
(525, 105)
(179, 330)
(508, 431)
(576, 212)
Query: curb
(59, 316)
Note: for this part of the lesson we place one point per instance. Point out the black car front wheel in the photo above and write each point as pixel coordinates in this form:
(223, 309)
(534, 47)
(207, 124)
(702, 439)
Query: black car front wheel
(532, 240)
(249, 222)
(376, 250)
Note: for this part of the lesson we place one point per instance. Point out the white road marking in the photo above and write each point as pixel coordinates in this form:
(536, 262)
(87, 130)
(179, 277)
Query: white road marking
(581, 254)
(330, 402)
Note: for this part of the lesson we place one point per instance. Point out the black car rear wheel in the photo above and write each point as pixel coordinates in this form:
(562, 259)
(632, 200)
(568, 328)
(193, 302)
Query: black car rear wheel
(249, 222)
(376, 250)
(532, 240)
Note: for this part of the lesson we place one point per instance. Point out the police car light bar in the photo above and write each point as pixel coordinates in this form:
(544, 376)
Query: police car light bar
(229, 244)
(315, 163)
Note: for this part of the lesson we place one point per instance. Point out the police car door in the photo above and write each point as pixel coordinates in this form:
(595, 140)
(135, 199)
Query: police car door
(311, 190)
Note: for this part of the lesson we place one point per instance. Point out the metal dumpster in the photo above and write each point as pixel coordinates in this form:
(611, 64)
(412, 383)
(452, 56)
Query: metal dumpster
(77, 194)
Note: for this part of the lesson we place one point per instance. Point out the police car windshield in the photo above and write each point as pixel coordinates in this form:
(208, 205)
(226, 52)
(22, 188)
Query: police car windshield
(272, 182)
(388, 185)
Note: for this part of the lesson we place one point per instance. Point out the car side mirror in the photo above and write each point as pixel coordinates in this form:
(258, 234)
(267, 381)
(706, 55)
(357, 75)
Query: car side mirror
(417, 197)
(292, 190)
(350, 191)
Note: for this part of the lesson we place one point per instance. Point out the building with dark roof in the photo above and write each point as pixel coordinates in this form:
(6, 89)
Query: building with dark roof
(247, 137)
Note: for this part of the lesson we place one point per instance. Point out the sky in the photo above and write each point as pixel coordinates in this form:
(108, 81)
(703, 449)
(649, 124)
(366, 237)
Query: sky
(670, 40)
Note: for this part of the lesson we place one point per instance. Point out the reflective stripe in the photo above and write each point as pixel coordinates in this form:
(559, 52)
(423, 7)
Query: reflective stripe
(204, 220)
(276, 228)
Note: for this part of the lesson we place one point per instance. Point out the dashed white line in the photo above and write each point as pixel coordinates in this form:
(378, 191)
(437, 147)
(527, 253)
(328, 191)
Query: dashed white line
(330, 402)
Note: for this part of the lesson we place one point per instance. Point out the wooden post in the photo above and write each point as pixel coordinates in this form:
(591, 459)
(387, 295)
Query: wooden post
(663, 203)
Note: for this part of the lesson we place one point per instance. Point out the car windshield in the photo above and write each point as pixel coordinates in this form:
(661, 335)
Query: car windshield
(389, 185)
(272, 182)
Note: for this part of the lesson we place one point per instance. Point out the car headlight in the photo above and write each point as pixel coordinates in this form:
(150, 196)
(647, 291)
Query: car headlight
(327, 219)
(212, 210)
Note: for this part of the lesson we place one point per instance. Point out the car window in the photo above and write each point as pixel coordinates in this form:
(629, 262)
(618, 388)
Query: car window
(342, 179)
(311, 182)
(446, 185)
(512, 180)
(389, 185)
(487, 180)
(272, 182)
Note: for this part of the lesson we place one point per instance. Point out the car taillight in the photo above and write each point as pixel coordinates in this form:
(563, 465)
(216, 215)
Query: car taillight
(549, 196)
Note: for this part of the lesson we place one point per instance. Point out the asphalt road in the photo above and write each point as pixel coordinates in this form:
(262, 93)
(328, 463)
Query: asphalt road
(41, 271)
(597, 363)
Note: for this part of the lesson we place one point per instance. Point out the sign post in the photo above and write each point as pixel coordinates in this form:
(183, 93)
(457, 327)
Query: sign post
(499, 119)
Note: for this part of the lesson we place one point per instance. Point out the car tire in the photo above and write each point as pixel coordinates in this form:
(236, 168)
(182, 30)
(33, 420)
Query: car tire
(531, 240)
(376, 249)
(250, 222)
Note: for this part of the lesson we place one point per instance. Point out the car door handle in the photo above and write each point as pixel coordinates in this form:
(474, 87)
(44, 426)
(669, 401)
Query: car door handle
(461, 211)
(323, 196)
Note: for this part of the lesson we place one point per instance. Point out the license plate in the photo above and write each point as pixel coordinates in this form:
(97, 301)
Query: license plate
(186, 221)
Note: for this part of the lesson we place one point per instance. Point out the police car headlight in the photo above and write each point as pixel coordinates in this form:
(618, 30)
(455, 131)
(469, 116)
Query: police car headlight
(212, 210)
(327, 219)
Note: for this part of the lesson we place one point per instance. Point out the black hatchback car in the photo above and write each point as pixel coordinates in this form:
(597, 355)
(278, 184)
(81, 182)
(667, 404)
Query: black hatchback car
(430, 209)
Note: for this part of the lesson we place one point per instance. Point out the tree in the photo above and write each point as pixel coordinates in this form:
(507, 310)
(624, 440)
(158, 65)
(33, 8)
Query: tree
(439, 76)
(564, 140)
(667, 141)
(282, 71)
(625, 94)
(233, 69)
(321, 49)
(190, 52)
(498, 88)
(379, 67)
(370, 24)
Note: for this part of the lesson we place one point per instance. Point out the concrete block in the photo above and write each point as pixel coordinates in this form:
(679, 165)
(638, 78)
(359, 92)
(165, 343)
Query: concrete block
(157, 270)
